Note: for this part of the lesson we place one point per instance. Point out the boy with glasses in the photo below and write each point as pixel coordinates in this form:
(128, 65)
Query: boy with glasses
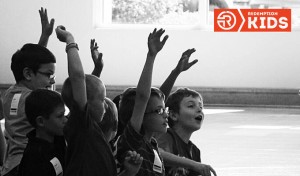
(143, 107)
(33, 67)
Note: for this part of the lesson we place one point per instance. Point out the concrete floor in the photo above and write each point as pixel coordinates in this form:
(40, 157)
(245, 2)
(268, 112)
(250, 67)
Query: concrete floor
(251, 141)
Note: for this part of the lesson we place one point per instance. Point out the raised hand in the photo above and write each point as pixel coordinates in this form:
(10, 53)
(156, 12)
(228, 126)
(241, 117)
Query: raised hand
(154, 43)
(132, 162)
(96, 56)
(47, 28)
(183, 63)
(63, 35)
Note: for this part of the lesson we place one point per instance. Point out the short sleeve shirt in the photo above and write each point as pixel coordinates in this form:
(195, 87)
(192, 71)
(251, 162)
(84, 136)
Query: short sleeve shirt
(16, 125)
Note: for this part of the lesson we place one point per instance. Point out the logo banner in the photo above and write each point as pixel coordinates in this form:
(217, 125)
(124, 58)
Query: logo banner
(252, 20)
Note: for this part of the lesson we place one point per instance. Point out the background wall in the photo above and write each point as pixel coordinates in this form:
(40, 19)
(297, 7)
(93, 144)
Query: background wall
(256, 60)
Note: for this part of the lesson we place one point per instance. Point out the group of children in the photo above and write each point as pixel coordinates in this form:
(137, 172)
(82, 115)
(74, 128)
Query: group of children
(126, 136)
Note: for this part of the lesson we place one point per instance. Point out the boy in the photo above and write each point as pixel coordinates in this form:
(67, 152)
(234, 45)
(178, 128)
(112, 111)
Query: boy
(109, 122)
(182, 65)
(33, 67)
(88, 152)
(186, 116)
(45, 151)
(147, 114)
(109, 125)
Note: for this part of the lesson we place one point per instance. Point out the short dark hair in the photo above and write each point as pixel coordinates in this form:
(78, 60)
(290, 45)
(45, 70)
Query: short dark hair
(41, 102)
(110, 117)
(175, 98)
(92, 85)
(30, 56)
(126, 105)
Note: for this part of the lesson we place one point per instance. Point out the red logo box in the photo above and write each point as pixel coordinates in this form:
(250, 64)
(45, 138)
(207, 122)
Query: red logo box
(252, 20)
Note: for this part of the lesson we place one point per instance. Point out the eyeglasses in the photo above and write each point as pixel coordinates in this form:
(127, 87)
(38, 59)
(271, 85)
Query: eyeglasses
(48, 75)
(159, 111)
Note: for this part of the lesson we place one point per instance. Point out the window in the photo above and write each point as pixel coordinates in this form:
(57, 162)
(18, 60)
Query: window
(141, 13)
(176, 13)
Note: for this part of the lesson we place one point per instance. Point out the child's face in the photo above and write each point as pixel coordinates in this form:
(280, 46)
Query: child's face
(153, 121)
(190, 115)
(44, 77)
(55, 123)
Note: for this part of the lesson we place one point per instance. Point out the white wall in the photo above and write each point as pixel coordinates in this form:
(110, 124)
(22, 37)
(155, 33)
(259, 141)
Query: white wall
(260, 60)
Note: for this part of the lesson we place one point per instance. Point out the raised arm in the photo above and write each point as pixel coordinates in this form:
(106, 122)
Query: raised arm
(97, 58)
(47, 28)
(75, 69)
(144, 84)
(183, 65)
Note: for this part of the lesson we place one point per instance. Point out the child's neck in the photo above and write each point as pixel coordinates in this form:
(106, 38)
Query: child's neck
(182, 133)
(43, 135)
(24, 83)
(148, 136)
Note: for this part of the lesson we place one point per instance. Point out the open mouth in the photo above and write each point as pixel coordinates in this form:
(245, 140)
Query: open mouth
(199, 118)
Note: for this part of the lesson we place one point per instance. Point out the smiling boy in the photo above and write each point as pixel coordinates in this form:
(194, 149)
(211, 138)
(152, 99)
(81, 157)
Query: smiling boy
(186, 116)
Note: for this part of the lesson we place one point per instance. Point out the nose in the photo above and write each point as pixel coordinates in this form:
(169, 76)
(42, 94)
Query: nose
(65, 120)
(165, 115)
(52, 81)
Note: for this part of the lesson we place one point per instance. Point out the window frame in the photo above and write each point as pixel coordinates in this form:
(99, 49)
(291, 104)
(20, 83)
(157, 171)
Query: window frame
(102, 17)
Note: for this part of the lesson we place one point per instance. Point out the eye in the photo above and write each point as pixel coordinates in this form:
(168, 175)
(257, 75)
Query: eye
(159, 111)
(190, 106)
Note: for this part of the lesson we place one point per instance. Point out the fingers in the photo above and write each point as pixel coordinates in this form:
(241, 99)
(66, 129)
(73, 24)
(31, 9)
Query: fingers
(189, 52)
(193, 62)
(46, 15)
(52, 23)
(134, 157)
(60, 27)
(43, 14)
(92, 43)
(100, 57)
(165, 39)
(213, 171)
(207, 171)
(158, 34)
(60, 32)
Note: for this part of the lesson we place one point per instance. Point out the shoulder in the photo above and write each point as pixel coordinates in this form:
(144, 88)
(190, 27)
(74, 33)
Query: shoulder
(166, 142)
(165, 137)
(77, 118)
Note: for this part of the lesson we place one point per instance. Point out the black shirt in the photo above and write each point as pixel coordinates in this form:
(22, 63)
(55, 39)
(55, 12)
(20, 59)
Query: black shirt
(39, 154)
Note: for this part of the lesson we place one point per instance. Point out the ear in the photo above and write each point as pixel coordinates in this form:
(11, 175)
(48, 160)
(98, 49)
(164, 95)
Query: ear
(39, 121)
(173, 115)
(27, 73)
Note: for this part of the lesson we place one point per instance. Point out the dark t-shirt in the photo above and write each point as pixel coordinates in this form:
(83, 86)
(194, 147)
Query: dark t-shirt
(132, 140)
(171, 142)
(42, 157)
(88, 152)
